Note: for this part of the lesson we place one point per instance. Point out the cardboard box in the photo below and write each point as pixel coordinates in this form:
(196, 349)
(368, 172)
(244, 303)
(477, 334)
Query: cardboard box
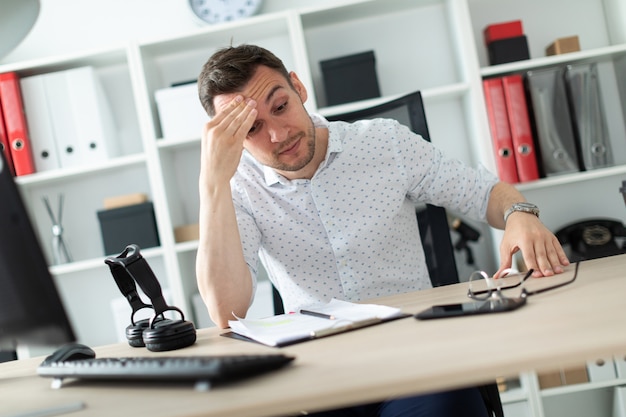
(350, 78)
(566, 376)
(180, 112)
(549, 379)
(563, 46)
(125, 225)
(575, 375)
(187, 232)
(124, 200)
(503, 30)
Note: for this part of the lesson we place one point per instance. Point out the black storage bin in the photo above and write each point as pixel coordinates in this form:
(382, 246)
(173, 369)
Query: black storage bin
(514, 49)
(130, 224)
(350, 78)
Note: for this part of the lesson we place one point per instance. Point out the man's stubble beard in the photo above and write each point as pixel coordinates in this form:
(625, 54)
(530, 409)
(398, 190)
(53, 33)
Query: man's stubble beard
(310, 146)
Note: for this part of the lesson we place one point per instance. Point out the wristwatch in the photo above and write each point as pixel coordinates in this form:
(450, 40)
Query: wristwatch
(524, 207)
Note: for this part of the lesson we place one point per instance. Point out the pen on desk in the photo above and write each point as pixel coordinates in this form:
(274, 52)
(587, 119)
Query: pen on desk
(316, 314)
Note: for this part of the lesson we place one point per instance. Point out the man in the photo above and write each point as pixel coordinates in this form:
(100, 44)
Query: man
(328, 207)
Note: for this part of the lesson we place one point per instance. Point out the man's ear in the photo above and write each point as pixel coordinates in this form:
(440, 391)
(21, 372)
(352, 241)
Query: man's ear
(298, 86)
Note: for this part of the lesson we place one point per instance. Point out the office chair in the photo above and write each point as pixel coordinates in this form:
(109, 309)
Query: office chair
(432, 220)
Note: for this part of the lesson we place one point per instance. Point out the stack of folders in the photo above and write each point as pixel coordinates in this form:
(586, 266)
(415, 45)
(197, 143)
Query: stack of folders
(69, 119)
(557, 120)
(511, 131)
(578, 117)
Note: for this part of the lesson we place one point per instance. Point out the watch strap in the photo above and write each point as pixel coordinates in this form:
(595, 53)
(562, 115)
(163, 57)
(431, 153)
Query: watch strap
(523, 207)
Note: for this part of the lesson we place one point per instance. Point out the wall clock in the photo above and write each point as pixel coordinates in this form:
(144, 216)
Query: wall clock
(218, 11)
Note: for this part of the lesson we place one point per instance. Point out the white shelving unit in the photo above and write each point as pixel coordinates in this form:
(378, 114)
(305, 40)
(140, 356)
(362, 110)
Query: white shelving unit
(430, 45)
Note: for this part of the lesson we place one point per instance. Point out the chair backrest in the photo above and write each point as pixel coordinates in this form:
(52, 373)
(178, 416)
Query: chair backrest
(432, 220)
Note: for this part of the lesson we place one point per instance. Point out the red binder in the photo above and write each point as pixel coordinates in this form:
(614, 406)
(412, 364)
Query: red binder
(4, 143)
(500, 130)
(15, 123)
(521, 133)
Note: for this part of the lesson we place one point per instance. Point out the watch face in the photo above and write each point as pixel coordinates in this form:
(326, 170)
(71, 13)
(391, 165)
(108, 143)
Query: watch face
(216, 11)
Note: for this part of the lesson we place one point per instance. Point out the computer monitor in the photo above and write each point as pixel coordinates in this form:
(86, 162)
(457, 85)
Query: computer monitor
(31, 311)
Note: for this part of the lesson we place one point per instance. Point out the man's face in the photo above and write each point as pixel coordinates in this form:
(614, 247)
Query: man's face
(282, 136)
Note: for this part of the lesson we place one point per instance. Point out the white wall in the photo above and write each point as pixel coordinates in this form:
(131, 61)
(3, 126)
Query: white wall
(66, 26)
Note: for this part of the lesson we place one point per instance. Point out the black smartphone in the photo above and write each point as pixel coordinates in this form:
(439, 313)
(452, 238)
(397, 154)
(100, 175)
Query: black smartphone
(471, 308)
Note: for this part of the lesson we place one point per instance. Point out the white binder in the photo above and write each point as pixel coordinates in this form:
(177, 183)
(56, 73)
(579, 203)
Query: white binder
(93, 121)
(62, 115)
(43, 145)
(79, 119)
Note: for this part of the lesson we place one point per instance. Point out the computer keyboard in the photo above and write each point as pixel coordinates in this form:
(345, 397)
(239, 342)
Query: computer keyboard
(203, 370)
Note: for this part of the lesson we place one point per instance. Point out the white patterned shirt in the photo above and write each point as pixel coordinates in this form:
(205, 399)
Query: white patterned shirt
(350, 232)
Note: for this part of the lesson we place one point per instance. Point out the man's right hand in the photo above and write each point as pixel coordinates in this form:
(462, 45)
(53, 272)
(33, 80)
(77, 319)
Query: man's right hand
(222, 140)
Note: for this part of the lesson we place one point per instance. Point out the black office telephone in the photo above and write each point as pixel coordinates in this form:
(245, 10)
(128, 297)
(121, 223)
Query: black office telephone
(593, 238)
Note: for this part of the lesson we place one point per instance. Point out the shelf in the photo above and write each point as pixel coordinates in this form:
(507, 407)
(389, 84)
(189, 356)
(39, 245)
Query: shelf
(48, 177)
(577, 177)
(400, 58)
(430, 94)
(608, 52)
(572, 389)
(190, 246)
(106, 57)
(177, 143)
(514, 395)
(96, 263)
(347, 10)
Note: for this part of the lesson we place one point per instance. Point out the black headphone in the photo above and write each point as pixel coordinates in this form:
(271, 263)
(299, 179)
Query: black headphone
(157, 333)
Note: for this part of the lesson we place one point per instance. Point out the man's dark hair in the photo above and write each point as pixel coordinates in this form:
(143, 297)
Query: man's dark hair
(229, 69)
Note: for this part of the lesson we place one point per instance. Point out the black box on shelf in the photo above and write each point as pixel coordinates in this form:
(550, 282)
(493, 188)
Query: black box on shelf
(506, 50)
(350, 78)
(129, 224)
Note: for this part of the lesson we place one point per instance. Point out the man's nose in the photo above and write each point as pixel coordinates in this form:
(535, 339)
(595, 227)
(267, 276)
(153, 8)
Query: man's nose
(277, 132)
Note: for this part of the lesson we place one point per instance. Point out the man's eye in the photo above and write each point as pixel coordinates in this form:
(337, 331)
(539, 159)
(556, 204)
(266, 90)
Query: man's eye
(281, 108)
(253, 129)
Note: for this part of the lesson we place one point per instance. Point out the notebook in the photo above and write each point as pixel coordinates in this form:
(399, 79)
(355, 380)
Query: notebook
(312, 322)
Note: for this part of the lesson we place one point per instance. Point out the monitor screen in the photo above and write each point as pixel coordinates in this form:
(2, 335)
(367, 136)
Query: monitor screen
(31, 311)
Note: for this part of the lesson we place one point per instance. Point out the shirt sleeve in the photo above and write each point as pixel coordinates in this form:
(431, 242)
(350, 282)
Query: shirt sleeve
(436, 179)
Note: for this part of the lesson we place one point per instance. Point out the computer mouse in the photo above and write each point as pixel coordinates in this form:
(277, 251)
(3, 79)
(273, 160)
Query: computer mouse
(71, 352)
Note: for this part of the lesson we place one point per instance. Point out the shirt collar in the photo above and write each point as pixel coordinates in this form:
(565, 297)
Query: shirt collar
(334, 146)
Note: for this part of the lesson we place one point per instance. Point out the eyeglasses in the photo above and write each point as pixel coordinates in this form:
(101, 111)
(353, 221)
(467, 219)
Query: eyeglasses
(477, 290)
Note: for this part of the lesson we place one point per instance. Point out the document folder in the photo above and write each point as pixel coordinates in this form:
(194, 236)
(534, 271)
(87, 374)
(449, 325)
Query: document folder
(312, 323)
(5, 148)
(555, 134)
(500, 130)
(521, 134)
(45, 152)
(15, 124)
(583, 88)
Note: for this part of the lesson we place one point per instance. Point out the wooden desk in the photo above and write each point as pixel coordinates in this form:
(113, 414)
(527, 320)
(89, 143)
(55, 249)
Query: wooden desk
(581, 321)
